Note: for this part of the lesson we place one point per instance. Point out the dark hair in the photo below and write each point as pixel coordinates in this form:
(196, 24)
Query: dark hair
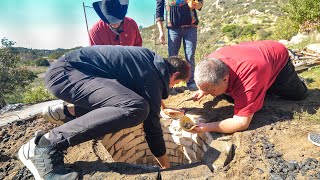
(177, 64)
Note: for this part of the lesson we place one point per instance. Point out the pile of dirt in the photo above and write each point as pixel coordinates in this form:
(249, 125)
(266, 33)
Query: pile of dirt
(274, 147)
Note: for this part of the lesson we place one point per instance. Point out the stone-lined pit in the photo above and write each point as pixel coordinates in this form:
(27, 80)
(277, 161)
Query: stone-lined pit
(129, 145)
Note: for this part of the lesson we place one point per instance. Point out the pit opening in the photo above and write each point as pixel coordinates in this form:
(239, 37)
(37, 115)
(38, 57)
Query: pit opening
(129, 145)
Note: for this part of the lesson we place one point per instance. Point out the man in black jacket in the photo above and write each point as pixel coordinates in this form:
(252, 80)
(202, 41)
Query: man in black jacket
(115, 87)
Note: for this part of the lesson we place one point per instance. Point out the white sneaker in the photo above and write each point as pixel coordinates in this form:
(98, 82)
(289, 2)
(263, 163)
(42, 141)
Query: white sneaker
(55, 114)
(45, 162)
(26, 152)
(314, 138)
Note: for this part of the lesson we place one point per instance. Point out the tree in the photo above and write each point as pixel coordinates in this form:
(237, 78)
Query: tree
(42, 62)
(12, 75)
(7, 43)
(306, 11)
(285, 28)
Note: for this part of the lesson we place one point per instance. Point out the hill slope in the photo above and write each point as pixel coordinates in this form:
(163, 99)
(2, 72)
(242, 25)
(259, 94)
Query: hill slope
(256, 15)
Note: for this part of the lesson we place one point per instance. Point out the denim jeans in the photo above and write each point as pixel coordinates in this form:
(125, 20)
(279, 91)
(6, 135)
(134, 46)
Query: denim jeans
(188, 35)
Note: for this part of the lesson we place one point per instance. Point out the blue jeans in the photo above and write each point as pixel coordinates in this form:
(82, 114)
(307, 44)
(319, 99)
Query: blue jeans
(188, 35)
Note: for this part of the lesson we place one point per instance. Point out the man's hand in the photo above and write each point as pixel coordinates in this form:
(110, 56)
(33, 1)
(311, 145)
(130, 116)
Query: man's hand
(161, 34)
(201, 127)
(194, 4)
(163, 161)
(173, 112)
(198, 95)
(229, 125)
(162, 38)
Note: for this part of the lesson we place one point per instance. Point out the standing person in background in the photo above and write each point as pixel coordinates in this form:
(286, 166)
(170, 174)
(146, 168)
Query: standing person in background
(114, 28)
(182, 24)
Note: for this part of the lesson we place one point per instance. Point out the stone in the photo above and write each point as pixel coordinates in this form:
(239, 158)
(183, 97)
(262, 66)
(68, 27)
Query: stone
(136, 156)
(124, 141)
(284, 42)
(113, 139)
(314, 48)
(218, 154)
(134, 142)
(298, 38)
(194, 171)
(142, 146)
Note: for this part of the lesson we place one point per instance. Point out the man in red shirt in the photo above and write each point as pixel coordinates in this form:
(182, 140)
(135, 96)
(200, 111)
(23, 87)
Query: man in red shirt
(246, 72)
(114, 28)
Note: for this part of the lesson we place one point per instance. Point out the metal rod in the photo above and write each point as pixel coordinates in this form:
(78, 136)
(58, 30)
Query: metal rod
(85, 17)
(155, 29)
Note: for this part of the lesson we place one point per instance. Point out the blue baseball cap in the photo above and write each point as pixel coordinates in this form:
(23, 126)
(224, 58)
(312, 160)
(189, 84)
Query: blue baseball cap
(111, 11)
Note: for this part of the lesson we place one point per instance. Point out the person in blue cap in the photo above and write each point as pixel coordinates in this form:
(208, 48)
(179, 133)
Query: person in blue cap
(114, 28)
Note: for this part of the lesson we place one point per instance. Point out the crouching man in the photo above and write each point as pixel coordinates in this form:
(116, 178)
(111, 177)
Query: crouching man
(111, 88)
(247, 72)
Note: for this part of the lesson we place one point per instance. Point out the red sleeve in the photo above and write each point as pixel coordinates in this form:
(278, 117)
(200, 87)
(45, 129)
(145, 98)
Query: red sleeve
(138, 40)
(94, 37)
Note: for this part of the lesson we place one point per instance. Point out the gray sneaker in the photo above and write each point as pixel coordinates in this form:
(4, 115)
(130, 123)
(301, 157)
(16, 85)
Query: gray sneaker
(45, 163)
(314, 138)
(55, 114)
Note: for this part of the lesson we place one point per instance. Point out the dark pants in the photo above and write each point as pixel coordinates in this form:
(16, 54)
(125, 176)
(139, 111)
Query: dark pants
(107, 105)
(288, 85)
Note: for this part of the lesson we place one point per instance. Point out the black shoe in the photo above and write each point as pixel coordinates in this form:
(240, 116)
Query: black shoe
(45, 163)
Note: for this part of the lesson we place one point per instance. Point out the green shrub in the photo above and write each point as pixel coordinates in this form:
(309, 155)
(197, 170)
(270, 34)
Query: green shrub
(12, 74)
(248, 30)
(263, 34)
(42, 62)
(302, 11)
(37, 94)
(232, 30)
(285, 28)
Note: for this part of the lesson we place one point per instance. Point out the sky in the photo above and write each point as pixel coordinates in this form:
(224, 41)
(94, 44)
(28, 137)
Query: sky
(52, 24)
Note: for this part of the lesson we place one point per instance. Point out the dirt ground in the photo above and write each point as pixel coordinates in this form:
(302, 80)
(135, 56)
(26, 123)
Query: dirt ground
(274, 147)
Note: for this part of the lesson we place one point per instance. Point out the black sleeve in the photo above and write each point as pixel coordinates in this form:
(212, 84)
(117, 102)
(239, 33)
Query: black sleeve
(152, 125)
(154, 136)
(160, 10)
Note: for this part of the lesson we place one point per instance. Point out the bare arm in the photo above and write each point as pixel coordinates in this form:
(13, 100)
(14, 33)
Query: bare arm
(160, 19)
(163, 161)
(161, 33)
(230, 125)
